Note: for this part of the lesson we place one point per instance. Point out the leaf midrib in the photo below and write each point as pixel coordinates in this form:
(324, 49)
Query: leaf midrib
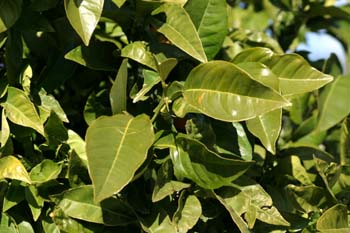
(117, 153)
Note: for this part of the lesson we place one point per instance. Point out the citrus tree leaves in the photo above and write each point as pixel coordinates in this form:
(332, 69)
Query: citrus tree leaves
(12, 168)
(20, 110)
(207, 169)
(109, 143)
(117, 95)
(334, 104)
(180, 30)
(10, 10)
(210, 19)
(225, 92)
(295, 74)
(84, 15)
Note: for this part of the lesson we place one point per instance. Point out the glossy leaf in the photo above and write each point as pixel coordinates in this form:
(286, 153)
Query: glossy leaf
(159, 224)
(187, 214)
(210, 19)
(345, 142)
(35, 201)
(267, 127)
(20, 110)
(207, 169)
(295, 74)
(84, 15)
(12, 168)
(139, 52)
(180, 30)
(334, 104)
(45, 171)
(109, 143)
(225, 92)
(10, 11)
(118, 93)
(79, 203)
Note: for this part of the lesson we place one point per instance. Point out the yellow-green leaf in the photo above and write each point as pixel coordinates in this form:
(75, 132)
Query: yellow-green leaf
(12, 168)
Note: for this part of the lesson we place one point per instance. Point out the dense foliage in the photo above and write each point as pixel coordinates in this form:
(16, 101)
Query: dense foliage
(172, 116)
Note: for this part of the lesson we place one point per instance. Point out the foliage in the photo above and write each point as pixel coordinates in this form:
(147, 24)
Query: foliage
(172, 116)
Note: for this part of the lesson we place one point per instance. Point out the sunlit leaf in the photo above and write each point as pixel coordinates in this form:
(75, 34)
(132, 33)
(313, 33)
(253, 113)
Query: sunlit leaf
(109, 143)
(180, 30)
(187, 214)
(84, 15)
(20, 110)
(12, 168)
(225, 92)
(210, 19)
(295, 74)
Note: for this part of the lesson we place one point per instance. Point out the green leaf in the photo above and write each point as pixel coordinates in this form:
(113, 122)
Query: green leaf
(245, 148)
(192, 160)
(160, 223)
(267, 128)
(251, 197)
(7, 224)
(139, 52)
(12, 168)
(118, 93)
(14, 195)
(119, 3)
(79, 203)
(77, 144)
(345, 143)
(45, 171)
(97, 105)
(109, 143)
(225, 92)
(151, 79)
(10, 11)
(180, 30)
(20, 110)
(187, 214)
(164, 186)
(210, 20)
(5, 129)
(35, 201)
(97, 56)
(49, 103)
(295, 74)
(335, 219)
(334, 103)
(84, 15)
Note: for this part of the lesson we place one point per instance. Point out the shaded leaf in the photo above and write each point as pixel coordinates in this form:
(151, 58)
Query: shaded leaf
(225, 92)
(84, 15)
(334, 104)
(79, 203)
(109, 143)
(10, 11)
(192, 160)
(151, 79)
(180, 30)
(118, 93)
(267, 128)
(210, 20)
(12, 168)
